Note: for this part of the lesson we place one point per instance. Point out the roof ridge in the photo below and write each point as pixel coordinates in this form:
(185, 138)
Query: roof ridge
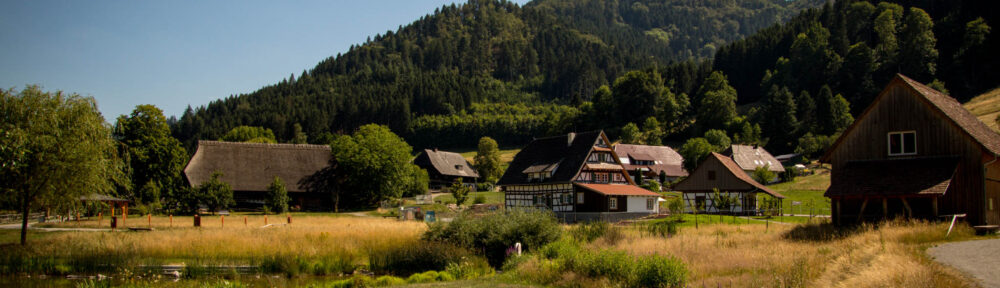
(273, 145)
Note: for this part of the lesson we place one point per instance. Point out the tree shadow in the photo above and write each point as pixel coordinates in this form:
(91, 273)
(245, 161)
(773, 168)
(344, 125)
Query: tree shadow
(821, 232)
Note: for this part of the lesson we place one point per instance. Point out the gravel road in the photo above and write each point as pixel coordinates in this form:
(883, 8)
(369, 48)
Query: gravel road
(980, 259)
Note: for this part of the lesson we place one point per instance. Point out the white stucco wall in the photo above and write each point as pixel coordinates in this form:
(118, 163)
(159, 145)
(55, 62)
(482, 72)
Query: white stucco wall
(638, 204)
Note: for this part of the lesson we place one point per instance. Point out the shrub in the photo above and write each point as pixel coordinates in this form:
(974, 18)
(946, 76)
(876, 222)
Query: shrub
(662, 228)
(389, 281)
(589, 231)
(480, 199)
(472, 268)
(492, 234)
(426, 277)
(657, 271)
(408, 259)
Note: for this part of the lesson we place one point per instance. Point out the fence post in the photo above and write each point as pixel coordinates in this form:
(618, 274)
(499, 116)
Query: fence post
(171, 220)
(222, 218)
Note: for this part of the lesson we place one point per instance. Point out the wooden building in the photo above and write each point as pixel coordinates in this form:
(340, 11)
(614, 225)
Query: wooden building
(915, 152)
(444, 167)
(751, 157)
(249, 168)
(577, 176)
(719, 172)
(647, 162)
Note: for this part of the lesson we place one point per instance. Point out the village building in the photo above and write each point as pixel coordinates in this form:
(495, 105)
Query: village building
(751, 157)
(721, 173)
(579, 177)
(915, 152)
(444, 167)
(647, 162)
(249, 168)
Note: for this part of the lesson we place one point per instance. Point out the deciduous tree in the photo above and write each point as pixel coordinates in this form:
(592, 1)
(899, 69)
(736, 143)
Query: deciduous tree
(55, 147)
(487, 160)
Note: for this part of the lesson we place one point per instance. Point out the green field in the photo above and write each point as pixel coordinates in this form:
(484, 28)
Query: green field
(805, 194)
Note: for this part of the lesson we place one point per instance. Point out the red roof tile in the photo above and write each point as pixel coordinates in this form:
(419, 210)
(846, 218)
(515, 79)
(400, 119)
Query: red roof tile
(617, 189)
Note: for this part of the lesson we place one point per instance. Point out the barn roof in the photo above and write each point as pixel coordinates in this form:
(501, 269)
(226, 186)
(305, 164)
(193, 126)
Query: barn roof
(751, 157)
(450, 163)
(667, 160)
(910, 177)
(949, 108)
(690, 184)
(559, 152)
(253, 166)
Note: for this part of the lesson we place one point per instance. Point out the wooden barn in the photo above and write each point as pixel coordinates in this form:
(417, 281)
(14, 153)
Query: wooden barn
(250, 167)
(719, 172)
(444, 167)
(579, 177)
(649, 162)
(915, 152)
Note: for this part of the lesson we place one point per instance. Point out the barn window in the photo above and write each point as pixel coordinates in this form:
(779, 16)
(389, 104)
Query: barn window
(613, 203)
(902, 143)
(711, 174)
(579, 198)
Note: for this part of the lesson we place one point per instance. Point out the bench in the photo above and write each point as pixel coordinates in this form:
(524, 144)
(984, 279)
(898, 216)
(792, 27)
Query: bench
(986, 229)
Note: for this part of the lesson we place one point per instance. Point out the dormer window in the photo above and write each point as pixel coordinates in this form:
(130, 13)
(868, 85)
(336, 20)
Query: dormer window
(902, 143)
(458, 167)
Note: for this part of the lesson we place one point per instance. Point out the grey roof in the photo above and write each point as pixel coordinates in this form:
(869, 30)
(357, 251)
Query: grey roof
(449, 163)
(750, 157)
(253, 166)
(667, 160)
(570, 155)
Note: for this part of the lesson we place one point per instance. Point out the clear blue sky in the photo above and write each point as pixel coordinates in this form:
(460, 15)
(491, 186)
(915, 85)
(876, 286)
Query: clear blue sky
(175, 53)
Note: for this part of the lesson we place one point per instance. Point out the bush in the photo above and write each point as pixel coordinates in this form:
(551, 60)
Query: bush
(426, 277)
(480, 199)
(493, 233)
(408, 259)
(389, 281)
(470, 269)
(589, 231)
(662, 228)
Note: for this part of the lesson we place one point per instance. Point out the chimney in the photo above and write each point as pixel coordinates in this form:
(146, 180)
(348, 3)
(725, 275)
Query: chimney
(569, 138)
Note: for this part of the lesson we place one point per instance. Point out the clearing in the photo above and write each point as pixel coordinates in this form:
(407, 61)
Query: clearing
(986, 107)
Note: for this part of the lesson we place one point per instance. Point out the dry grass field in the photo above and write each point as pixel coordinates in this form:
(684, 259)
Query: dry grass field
(807, 255)
(986, 107)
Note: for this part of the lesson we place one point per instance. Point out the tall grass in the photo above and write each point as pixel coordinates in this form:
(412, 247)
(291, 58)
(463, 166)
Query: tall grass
(311, 245)
(818, 255)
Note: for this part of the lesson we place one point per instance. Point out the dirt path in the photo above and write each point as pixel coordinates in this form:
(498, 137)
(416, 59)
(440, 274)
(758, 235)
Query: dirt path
(979, 259)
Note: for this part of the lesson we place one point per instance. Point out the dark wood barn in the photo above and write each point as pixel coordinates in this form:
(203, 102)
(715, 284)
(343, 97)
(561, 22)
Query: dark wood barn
(444, 167)
(577, 176)
(250, 167)
(915, 152)
(719, 172)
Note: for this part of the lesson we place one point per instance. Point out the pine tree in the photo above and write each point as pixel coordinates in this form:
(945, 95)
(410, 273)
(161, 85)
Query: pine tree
(780, 123)
(717, 108)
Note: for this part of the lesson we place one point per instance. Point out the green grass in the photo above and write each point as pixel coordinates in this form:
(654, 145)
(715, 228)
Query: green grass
(808, 192)
(491, 198)
(506, 155)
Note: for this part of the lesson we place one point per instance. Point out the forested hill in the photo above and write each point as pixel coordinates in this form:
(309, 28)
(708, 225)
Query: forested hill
(491, 53)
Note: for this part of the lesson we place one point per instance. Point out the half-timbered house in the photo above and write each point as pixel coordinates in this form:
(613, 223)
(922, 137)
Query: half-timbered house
(579, 177)
(720, 173)
(915, 152)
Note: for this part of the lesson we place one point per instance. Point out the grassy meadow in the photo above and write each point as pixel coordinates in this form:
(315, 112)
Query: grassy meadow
(808, 192)
(986, 107)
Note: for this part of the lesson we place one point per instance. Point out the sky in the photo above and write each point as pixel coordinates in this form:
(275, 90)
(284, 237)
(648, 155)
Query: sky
(178, 53)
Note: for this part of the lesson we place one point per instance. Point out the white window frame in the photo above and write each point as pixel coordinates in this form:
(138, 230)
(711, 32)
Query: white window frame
(579, 198)
(649, 203)
(613, 203)
(902, 146)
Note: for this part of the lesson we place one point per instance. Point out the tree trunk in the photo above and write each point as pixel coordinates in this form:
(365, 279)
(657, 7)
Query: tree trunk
(336, 202)
(24, 220)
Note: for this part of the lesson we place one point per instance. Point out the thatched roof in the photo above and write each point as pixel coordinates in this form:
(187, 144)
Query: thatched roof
(751, 157)
(667, 160)
(446, 163)
(564, 153)
(253, 166)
